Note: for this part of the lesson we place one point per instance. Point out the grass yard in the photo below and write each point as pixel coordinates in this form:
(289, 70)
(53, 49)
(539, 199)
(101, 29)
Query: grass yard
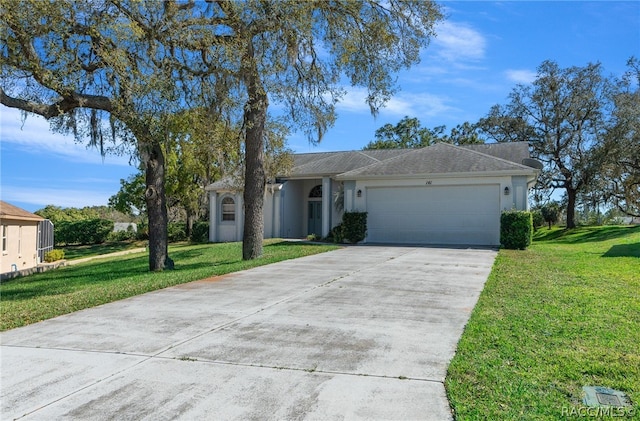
(559, 316)
(45, 295)
(78, 252)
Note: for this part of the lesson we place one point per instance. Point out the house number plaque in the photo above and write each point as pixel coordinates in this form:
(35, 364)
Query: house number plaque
(429, 182)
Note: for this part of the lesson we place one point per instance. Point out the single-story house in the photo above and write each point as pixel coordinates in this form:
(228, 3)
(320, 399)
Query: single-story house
(440, 194)
(22, 234)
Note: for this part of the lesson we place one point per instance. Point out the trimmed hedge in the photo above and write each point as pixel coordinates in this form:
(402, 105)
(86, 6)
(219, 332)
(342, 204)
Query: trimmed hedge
(516, 229)
(354, 226)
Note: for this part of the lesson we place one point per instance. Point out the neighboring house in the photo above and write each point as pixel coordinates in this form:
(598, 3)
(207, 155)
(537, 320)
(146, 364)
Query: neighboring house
(125, 226)
(25, 238)
(441, 194)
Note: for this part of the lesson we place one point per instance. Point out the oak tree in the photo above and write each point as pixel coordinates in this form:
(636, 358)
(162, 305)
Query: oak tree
(295, 54)
(90, 71)
(563, 115)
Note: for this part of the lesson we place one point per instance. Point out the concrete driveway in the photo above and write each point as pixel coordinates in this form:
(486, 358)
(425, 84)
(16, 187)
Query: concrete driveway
(364, 332)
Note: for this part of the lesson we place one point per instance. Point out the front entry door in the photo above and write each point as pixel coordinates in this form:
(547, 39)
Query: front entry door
(314, 225)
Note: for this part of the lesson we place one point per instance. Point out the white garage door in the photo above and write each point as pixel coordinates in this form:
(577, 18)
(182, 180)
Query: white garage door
(434, 215)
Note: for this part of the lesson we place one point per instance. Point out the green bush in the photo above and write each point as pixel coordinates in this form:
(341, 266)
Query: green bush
(354, 226)
(538, 219)
(54, 255)
(85, 231)
(336, 234)
(516, 229)
(551, 213)
(177, 231)
(129, 234)
(143, 231)
(200, 232)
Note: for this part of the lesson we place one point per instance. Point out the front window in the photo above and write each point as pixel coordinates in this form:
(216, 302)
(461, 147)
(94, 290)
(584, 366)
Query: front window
(5, 228)
(316, 192)
(228, 209)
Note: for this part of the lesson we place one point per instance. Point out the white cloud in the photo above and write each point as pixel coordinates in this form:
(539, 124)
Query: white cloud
(34, 136)
(417, 104)
(60, 197)
(458, 42)
(521, 76)
(401, 104)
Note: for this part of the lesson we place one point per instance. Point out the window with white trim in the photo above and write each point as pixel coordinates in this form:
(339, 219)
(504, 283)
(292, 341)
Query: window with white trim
(228, 209)
(5, 230)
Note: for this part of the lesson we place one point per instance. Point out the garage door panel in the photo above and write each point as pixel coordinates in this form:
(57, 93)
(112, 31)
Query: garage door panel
(434, 215)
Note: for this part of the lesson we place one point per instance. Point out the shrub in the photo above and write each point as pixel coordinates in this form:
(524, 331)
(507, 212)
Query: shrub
(354, 226)
(538, 219)
(336, 234)
(516, 229)
(122, 235)
(550, 213)
(85, 231)
(200, 232)
(54, 255)
(143, 231)
(177, 231)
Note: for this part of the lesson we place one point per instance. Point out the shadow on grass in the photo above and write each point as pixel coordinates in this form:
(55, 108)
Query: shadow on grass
(191, 263)
(623, 250)
(585, 234)
(78, 252)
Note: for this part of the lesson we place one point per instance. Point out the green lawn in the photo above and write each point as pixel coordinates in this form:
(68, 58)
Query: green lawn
(45, 295)
(78, 252)
(559, 316)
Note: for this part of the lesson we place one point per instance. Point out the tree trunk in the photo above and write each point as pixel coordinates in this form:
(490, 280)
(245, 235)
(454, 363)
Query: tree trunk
(571, 207)
(153, 159)
(255, 117)
(190, 218)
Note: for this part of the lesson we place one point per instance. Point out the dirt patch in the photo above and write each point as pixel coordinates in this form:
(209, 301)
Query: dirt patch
(205, 281)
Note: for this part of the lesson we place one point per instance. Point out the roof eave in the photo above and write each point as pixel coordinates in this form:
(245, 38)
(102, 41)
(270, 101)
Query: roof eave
(502, 173)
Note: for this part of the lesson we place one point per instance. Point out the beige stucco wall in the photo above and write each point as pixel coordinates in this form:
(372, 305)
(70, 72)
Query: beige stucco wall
(20, 248)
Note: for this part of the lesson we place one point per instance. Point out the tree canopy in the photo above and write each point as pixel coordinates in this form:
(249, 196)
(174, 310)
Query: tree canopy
(118, 69)
(563, 115)
(408, 133)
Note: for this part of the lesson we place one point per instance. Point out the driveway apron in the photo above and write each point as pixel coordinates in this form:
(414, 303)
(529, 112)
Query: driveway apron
(364, 332)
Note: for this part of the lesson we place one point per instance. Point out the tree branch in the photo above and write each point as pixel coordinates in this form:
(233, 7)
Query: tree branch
(59, 108)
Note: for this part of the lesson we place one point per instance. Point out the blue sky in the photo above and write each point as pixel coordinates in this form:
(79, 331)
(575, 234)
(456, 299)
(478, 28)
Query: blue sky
(483, 49)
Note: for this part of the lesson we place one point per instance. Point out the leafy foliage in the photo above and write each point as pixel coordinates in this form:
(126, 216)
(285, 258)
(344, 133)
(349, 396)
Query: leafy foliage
(620, 178)
(354, 226)
(516, 229)
(86, 231)
(566, 115)
(550, 213)
(409, 134)
(200, 232)
(54, 255)
(106, 67)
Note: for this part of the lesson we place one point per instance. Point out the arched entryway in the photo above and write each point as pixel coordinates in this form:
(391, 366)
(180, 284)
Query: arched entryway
(314, 211)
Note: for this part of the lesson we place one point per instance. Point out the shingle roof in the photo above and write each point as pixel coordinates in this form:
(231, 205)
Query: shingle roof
(511, 151)
(9, 211)
(333, 163)
(441, 158)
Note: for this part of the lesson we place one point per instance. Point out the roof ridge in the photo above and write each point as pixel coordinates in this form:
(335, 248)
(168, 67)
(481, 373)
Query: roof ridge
(407, 151)
(368, 156)
(486, 155)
